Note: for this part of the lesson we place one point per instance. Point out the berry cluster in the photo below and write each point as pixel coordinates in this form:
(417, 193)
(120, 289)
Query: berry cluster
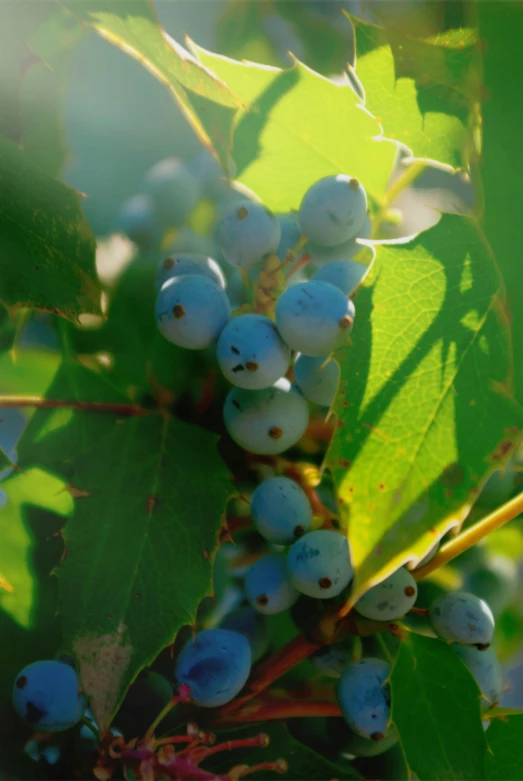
(275, 345)
(264, 412)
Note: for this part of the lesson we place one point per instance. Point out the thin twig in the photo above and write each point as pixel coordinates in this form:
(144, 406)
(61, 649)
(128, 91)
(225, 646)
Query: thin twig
(274, 709)
(115, 408)
(507, 512)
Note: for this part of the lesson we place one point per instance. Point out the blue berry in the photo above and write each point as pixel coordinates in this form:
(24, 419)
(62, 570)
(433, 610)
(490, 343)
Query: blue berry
(364, 697)
(343, 274)
(215, 666)
(46, 696)
(290, 234)
(332, 660)
(280, 510)
(314, 318)
(267, 421)
(319, 564)
(174, 191)
(183, 263)
(210, 174)
(247, 232)
(137, 220)
(191, 311)
(267, 585)
(333, 210)
(251, 352)
(486, 669)
(252, 625)
(317, 378)
(390, 599)
(461, 617)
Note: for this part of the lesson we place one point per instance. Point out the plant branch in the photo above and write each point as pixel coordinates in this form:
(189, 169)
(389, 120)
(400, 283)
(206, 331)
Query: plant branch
(124, 410)
(472, 535)
(274, 708)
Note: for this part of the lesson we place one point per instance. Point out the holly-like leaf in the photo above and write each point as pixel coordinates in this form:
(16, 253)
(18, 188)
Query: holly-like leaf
(299, 127)
(302, 762)
(420, 90)
(138, 549)
(47, 258)
(36, 488)
(207, 102)
(501, 29)
(425, 406)
(505, 755)
(436, 708)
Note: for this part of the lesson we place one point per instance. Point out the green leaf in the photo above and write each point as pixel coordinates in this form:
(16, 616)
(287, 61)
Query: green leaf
(43, 89)
(208, 104)
(501, 29)
(302, 762)
(18, 596)
(421, 91)
(425, 407)
(138, 549)
(47, 258)
(435, 706)
(505, 756)
(56, 436)
(27, 371)
(299, 127)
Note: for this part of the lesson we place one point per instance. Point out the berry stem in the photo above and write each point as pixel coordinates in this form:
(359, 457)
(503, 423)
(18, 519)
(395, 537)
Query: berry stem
(273, 668)
(495, 520)
(300, 264)
(182, 696)
(89, 724)
(199, 754)
(124, 410)
(274, 709)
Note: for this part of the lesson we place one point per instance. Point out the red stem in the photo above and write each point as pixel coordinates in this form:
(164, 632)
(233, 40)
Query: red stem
(124, 410)
(273, 668)
(277, 709)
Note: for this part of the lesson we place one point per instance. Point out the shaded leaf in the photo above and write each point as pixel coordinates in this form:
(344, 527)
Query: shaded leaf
(55, 436)
(501, 29)
(208, 103)
(505, 755)
(300, 126)
(138, 549)
(421, 91)
(425, 404)
(435, 706)
(47, 258)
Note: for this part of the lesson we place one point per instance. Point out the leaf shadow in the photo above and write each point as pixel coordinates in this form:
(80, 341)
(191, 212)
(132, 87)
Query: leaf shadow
(247, 135)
